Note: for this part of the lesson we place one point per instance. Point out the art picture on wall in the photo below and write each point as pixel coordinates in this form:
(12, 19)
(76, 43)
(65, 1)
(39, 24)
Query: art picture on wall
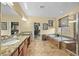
(45, 26)
(50, 23)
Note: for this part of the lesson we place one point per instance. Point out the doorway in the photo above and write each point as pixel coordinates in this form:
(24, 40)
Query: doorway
(36, 30)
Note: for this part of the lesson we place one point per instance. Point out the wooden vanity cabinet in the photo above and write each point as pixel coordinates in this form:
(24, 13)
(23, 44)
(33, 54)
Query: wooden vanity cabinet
(22, 49)
(28, 41)
(21, 53)
(15, 53)
(25, 48)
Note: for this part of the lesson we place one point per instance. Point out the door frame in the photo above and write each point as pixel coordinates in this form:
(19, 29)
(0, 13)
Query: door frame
(77, 34)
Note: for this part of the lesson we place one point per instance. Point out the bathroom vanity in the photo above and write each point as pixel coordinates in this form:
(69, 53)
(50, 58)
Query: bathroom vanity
(17, 49)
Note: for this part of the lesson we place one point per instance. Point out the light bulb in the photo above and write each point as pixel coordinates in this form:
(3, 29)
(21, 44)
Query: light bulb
(23, 18)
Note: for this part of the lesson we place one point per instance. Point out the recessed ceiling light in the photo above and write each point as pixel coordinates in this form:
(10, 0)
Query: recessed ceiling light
(61, 11)
(42, 6)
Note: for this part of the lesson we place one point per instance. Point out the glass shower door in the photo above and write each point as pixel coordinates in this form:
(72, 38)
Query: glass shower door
(77, 33)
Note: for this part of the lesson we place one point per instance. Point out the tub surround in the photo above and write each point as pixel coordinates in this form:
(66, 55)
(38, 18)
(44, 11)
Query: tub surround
(69, 46)
(60, 37)
(66, 43)
(9, 49)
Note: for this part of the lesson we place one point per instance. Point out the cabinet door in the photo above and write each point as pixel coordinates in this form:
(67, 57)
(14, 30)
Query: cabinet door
(21, 52)
(21, 46)
(15, 53)
(25, 48)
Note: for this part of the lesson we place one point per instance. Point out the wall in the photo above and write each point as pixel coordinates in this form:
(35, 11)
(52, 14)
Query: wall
(71, 14)
(25, 25)
(41, 20)
(8, 19)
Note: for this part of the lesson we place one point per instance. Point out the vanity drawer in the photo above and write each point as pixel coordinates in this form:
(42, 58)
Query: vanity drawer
(21, 52)
(21, 46)
(15, 53)
(25, 42)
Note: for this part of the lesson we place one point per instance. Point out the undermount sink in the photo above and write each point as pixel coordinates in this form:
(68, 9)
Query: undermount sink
(9, 42)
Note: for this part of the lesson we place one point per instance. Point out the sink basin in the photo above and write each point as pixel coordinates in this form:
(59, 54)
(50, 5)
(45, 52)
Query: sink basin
(10, 42)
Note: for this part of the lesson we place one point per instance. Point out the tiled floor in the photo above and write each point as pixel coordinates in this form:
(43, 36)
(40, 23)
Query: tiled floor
(44, 48)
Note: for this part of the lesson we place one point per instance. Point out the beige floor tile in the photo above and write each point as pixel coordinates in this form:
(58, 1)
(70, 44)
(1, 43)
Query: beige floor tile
(44, 48)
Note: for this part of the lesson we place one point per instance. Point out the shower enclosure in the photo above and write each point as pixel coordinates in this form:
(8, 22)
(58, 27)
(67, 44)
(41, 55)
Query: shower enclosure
(77, 34)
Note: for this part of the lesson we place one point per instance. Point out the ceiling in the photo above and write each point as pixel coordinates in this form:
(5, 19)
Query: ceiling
(7, 10)
(48, 9)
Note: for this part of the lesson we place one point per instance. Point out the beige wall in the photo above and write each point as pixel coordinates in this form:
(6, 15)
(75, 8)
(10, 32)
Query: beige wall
(42, 20)
(71, 14)
(26, 25)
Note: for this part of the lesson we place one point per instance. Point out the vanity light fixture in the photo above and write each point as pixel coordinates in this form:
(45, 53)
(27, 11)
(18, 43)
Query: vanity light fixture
(9, 3)
(61, 12)
(72, 21)
(4, 3)
(24, 19)
(42, 6)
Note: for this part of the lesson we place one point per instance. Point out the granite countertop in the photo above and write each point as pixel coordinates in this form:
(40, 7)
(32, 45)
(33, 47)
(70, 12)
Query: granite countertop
(9, 49)
(69, 42)
(59, 38)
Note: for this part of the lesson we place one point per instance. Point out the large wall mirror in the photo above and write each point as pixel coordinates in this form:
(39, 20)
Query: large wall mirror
(14, 28)
(3, 25)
